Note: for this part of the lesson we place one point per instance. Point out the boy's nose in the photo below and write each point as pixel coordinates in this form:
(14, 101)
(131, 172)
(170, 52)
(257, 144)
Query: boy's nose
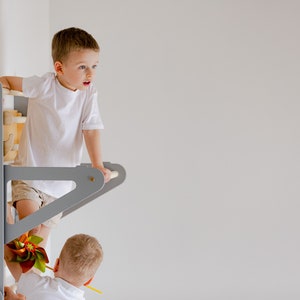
(89, 73)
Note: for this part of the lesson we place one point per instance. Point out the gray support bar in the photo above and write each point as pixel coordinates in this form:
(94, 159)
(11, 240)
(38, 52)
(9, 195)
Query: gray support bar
(88, 182)
(107, 187)
(89, 186)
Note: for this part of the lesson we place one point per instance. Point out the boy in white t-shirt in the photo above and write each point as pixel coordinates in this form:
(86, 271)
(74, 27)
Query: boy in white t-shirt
(76, 266)
(62, 112)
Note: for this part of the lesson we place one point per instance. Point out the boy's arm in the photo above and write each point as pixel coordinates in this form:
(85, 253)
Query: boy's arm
(12, 83)
(14, 267)
(93, 146)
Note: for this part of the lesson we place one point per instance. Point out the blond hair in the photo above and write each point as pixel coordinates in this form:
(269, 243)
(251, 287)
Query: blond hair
(71, 39)
(80, 257)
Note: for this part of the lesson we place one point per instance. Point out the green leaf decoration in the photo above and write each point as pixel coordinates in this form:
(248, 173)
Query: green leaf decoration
(40, 264)
(35, 239)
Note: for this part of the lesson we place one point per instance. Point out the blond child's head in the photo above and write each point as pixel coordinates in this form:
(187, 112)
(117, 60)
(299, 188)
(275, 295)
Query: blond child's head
(75, 56)
(79, 259)
(71, 39)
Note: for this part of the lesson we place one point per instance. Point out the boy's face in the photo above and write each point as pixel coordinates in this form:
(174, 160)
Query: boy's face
(78, 69)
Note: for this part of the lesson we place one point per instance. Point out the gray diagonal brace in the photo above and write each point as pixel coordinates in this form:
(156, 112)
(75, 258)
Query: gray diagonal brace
(88, 182)
(106, 188)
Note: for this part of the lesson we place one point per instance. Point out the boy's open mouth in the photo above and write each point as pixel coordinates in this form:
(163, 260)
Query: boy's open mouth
(86, 83)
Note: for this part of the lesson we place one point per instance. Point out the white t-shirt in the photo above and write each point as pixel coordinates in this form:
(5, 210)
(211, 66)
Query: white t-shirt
(52, 135)
(36, 287)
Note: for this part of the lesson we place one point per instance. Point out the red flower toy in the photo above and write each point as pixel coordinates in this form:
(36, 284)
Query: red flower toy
(28, 254)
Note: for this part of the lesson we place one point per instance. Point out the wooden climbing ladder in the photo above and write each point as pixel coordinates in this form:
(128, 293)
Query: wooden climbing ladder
(89, 186)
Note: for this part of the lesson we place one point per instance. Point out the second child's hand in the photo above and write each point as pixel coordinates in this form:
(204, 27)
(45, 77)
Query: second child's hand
(106, 173)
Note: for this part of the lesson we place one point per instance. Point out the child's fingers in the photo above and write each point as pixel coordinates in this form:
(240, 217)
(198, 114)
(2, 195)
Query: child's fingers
(107, 174)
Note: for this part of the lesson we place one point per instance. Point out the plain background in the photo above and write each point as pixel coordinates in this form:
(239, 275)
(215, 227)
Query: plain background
(200, 101)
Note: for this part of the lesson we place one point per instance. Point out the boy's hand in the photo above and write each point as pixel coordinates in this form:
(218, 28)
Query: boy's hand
(106, 173)
(8, 254)
(10, 295)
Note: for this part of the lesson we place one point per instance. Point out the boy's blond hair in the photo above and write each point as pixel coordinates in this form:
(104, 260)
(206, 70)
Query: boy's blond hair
(71, 39)
(80, 257)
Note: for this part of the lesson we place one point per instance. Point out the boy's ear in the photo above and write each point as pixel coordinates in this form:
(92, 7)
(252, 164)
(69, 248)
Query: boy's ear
(56, 265)
(89, 281)
(58, 67)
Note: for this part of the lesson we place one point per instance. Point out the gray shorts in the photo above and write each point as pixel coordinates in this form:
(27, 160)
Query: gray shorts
(21, 191)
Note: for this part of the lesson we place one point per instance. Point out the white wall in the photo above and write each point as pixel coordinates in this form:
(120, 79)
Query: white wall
(24, 37)
(201, 101)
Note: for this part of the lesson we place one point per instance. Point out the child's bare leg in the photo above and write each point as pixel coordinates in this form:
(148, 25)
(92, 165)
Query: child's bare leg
(27, 207)
(9, 216)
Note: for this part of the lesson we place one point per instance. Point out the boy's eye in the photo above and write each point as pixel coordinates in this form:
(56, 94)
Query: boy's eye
(81, 67)
(94, 66)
